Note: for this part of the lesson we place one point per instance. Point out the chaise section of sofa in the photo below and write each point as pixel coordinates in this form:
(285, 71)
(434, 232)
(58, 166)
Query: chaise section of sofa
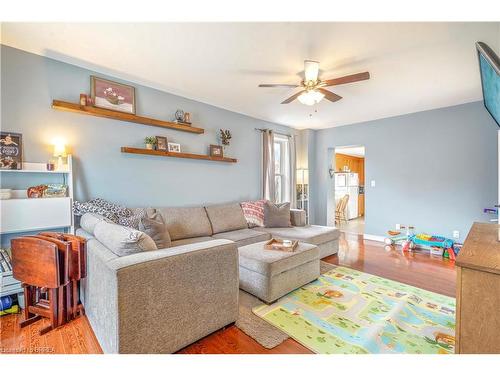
(160, 301)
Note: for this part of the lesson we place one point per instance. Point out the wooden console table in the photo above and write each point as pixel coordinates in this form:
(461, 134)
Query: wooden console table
(478, 291)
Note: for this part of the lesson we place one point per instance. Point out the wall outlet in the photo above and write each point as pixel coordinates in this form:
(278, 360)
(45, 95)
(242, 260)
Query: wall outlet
(398, 226)
(456, 234)
(372, 183)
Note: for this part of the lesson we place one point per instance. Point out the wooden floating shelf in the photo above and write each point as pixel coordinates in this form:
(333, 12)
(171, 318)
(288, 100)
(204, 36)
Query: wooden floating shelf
(128, 117)
(183, 155)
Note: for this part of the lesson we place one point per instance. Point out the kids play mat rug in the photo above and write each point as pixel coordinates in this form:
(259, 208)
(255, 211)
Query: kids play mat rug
(347, 311)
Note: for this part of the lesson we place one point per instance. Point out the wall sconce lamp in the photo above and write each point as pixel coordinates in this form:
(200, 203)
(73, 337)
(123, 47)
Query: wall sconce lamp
(331, 171)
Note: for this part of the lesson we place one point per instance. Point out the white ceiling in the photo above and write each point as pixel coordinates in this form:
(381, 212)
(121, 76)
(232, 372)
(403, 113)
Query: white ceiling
(358, 151)
(413, 66)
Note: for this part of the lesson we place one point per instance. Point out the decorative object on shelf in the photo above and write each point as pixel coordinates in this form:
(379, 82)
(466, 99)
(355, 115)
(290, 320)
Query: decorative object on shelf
(216, 151)
(11, 150)
(179, 116)
(36, 191)
(83, 99)
(121, 116)
(55, 191)
(60, 153)
(150, 142)
(89, 101)
(51, 165)
(187, 118)
(225, 136)
(112, 95)
(161, 143)
(174, 147)
(5, 194)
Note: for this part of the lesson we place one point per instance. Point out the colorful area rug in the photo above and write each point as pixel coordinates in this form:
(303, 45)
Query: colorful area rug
(347, 311)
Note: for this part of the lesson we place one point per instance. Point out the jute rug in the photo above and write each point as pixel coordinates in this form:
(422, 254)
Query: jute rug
(348, 311)
(257, 328)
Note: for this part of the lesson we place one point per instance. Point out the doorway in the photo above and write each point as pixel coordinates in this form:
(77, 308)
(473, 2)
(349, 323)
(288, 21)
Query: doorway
(349, 188)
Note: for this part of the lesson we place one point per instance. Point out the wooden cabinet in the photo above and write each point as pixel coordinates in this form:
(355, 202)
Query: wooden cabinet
(478, 291)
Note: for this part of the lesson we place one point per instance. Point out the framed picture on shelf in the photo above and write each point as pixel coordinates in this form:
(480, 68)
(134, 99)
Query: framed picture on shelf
(161, 143)
(11, 150)
(216, 151)
(112, 95)
(174, 147)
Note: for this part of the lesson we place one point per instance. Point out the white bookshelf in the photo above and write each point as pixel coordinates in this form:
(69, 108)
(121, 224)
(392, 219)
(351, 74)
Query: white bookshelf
(22, 214)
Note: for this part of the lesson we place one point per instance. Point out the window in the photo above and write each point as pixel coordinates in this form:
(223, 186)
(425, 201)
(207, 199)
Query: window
(281, 169)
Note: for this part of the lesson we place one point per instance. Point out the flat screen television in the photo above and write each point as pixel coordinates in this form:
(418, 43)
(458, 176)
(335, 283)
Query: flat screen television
(489, 67)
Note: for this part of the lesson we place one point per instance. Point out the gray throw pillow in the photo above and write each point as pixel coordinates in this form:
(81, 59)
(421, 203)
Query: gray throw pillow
(277, 215)
(123, 240)
(157, 230)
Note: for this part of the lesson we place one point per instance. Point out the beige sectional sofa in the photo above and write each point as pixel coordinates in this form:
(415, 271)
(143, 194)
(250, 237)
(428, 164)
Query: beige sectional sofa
(161, 301)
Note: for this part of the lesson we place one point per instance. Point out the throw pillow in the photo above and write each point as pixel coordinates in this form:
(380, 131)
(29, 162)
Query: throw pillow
(157, 230)
(102, 207)
(123, 240)
(134, 219)
(277, 215)
(89, 220)
(254, 212)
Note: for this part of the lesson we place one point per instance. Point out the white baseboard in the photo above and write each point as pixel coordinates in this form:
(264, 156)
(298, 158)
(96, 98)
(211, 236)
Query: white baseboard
(373, 237)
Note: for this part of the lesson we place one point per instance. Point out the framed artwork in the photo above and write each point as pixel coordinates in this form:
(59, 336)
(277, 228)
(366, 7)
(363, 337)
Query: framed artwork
(161, 143)
(174, 147)
(11, 150)
(216, 151)
(112, 95)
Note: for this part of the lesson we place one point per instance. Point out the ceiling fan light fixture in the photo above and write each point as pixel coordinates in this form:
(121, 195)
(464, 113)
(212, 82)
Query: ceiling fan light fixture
(311, 70)
(311, 97)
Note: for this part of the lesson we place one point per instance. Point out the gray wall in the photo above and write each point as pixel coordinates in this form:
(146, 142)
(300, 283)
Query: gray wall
(434, 169)
(31, 82)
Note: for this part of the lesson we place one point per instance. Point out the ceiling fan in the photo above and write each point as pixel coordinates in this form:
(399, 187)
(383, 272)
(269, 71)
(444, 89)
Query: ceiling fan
(313, 88)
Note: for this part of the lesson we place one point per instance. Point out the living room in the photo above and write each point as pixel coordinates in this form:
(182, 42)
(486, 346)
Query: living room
(249, 187)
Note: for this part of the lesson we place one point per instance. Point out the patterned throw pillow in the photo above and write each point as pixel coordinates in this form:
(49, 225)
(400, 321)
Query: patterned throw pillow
(102, 207)
(254, 212)
(133, 220)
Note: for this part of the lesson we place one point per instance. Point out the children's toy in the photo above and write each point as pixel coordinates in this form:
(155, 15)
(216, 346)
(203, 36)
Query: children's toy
(397, 238)
(11, 310)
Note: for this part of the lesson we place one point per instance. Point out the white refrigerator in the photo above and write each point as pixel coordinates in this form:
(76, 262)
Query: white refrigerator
(348, 183)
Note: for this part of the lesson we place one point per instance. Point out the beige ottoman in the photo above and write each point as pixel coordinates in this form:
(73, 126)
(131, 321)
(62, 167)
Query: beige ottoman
(270, 274)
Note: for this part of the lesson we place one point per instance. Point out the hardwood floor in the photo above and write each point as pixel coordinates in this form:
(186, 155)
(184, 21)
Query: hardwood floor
(418, 269)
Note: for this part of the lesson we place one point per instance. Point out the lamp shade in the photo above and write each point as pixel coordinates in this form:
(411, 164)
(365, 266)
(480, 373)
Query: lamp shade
(59, 150)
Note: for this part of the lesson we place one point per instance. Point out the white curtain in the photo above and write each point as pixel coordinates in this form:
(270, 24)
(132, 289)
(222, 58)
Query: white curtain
(293, 171)
(268, 165)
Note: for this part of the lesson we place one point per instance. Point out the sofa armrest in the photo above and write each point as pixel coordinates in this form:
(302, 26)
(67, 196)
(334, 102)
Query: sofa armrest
(298, 218)
(160, 301)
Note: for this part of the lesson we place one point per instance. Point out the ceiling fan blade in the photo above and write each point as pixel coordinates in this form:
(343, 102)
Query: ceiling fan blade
(277, 85)
(293, 97)
(347, 79)
(311, 70)
(329, 95)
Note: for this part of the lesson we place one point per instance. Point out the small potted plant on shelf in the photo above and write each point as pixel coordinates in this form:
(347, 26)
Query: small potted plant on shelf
(150, 142)
(225, 136)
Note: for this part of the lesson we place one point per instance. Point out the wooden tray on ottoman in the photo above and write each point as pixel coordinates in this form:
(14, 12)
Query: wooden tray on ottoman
(275, 244)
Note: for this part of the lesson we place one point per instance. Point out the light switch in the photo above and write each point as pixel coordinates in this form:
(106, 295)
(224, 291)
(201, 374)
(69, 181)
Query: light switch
(372, 183)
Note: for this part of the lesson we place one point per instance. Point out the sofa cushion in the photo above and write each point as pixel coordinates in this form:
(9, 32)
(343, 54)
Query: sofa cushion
(189, 241)
(254, 212)
(276, 215)
(186, 222)
(256, 258)
(314, 234)
(226, 217)
(123, 240)
(243, 237)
